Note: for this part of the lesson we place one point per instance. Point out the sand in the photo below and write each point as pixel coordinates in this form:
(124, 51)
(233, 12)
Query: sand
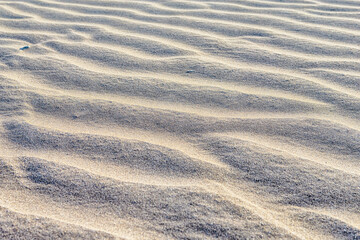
(179, 119)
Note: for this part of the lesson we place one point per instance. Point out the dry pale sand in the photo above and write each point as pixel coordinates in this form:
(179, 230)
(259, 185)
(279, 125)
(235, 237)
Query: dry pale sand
(180, 119)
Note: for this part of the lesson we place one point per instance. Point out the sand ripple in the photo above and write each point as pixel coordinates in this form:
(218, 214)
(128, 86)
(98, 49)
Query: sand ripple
(180, 119)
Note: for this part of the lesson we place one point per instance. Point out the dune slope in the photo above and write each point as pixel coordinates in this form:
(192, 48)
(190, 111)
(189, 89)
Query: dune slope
(175, 119)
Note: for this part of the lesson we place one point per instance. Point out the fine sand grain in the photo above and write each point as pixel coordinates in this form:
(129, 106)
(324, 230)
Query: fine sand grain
(179, 119)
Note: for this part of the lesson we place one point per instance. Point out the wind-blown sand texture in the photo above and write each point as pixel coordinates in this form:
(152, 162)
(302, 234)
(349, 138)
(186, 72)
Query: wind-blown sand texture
(189, 119)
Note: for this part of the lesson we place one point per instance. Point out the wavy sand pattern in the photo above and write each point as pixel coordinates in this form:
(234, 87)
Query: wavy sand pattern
(180, 119)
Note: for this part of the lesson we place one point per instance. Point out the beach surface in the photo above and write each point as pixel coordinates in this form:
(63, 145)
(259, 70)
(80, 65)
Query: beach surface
(179, 119)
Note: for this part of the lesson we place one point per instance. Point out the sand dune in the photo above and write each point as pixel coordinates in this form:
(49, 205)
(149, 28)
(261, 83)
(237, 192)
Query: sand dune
(174, 119)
